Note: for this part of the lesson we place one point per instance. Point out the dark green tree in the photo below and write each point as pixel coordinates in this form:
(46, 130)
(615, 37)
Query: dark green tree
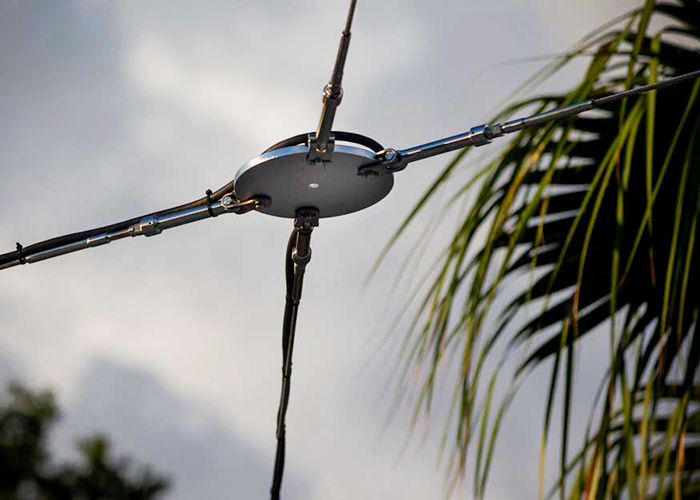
(592, 221)
(26, 469)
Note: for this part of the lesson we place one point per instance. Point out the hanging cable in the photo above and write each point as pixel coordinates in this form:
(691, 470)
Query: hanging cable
(297, 257)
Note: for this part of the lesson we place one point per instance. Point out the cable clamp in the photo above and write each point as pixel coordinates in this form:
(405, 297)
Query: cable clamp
(20, 251)
(316, 156)
(209, 209)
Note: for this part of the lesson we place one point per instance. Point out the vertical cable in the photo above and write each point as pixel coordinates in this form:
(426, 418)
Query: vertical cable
(333, 92)
(297, 257)
(287, 350)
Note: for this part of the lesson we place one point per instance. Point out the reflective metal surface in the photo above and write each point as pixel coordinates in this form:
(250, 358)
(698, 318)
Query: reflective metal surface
(291, 182)
(151, 225)
(474, 137)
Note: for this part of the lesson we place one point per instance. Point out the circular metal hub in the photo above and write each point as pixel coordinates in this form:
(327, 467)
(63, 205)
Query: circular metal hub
(290, 181)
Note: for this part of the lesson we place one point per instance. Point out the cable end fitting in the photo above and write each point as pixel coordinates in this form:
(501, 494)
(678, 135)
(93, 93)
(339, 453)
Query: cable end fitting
(332, 93)
(306, 218)
(316, 154)
(301, 260)
(231, 204)
(388, 161)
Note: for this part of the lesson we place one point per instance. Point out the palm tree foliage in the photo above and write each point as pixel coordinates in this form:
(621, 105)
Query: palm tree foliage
(595, 219)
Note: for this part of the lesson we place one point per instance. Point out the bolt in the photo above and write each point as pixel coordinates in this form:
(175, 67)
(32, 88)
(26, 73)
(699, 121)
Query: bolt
(226, 201)
(389, 155)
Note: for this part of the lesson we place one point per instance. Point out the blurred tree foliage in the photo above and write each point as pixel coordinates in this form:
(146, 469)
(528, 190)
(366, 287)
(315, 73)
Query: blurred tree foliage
(26, 469)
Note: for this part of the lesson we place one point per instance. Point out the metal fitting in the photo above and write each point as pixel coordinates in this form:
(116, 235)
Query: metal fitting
(148, 226)
(306, 218)
(388, 161)
(301, 260)
(328, 93)
(493, 131)
(316, 155)
(231, 204)
(96, 241)
(479, 135)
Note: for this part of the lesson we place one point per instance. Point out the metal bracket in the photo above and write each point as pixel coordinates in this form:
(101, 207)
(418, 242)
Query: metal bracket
(306, 218)
(231, 204)
(388, 161)
(317, 156)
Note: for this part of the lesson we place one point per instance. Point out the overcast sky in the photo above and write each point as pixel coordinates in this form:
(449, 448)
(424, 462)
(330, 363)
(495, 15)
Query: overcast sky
(171, 345)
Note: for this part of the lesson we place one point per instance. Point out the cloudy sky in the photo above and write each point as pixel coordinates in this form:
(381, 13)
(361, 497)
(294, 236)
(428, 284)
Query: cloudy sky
(171, 345)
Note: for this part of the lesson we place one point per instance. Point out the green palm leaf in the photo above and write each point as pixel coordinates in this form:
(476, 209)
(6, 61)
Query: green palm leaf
(601, 212)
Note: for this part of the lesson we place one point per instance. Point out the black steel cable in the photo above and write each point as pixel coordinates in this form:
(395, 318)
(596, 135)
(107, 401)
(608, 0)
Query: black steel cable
(579, 107)
(297, 257)
(351, 14)
(333, 92)
(341, 57)
(288, 330)
(67, 239)
(646, 88)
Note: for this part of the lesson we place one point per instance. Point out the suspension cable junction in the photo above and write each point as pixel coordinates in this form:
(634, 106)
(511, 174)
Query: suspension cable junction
(391, 160)
(297, 257)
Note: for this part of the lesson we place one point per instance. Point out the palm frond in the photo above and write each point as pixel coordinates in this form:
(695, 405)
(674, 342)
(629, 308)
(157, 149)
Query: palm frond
(601, 212)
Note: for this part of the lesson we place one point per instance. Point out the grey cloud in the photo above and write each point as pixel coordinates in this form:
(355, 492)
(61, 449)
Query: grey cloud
(63, 103)
(10, 369)
(206, 457)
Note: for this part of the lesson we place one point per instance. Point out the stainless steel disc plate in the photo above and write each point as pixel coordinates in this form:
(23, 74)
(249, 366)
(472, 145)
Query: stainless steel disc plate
(291, 182)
